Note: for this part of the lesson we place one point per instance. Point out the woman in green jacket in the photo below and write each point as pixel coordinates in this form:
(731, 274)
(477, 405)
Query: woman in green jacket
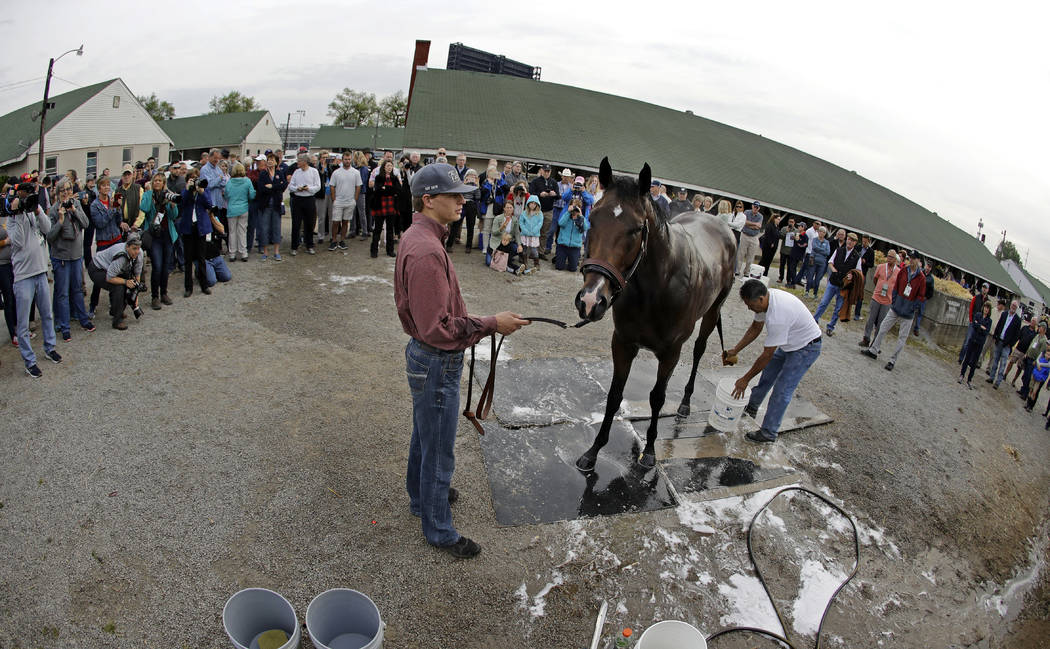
(239, 192)
(160, 210)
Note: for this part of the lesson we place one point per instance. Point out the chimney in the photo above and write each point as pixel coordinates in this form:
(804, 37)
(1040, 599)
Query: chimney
(420, 59)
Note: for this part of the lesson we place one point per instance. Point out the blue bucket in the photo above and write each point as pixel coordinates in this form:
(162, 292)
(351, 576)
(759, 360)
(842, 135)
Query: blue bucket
(342, 618)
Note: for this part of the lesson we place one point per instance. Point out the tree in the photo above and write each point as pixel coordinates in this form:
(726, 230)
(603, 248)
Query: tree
(1007, 250)
(233, 102)
(393, 109)
(354, 108)
(158, 109)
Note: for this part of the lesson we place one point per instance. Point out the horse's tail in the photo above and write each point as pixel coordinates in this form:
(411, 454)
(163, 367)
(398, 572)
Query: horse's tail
(721, 341)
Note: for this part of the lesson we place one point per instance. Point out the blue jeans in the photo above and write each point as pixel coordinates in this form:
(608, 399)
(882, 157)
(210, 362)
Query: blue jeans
(552, 233)
(567, 258)
(1000, 358)
(433, 378)
(216, 270)
(966, 343)
(782, 374)
(269, 228)
(25, 290)
(816, 273)
(831, 292)
(69, 293)
(918, 314)
(161, 254)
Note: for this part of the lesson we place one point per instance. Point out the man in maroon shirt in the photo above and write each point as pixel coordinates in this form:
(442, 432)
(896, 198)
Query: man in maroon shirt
(432, 312)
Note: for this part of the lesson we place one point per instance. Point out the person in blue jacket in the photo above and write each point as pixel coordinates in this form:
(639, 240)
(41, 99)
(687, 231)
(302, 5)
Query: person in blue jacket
(572, 226)
(196, 218)
(530, 225)
(107, 217)
(578, 192)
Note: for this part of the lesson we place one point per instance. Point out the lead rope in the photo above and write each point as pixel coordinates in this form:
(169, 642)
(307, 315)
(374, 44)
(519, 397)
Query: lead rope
(485, 400)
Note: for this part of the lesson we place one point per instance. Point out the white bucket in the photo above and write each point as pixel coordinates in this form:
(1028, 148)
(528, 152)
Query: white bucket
(254, 611)
(756, 271)
(726, 411)
(672, 634)
(342, 618)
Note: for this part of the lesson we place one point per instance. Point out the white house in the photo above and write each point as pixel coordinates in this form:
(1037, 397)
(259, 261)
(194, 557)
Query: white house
(246, 134)
(89, 129)
(1033, 292)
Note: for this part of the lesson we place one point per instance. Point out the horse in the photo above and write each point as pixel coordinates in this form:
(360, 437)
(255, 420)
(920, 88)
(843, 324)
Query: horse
(659, 276)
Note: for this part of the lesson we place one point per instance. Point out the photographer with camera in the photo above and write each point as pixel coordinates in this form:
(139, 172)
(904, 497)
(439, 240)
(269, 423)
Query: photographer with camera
(160, 208)
(215, 268)
(106, 216)
(572, 226)
(196, 219)
(118, 268)
(66, 237)
(577, 192)
(27, 228)
(130, 193)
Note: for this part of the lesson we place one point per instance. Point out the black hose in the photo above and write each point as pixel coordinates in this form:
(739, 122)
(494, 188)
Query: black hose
(750, 553)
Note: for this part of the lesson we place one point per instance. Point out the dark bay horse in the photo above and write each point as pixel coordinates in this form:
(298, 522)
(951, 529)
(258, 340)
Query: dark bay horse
(659, 276)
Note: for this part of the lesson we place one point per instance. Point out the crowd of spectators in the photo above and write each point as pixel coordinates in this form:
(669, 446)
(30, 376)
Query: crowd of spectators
(193, 218)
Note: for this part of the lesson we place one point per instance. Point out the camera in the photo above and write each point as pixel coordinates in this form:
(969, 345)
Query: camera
(68, 204)
(171, 197)
(30, 203)
(202, 183)
(131, 296)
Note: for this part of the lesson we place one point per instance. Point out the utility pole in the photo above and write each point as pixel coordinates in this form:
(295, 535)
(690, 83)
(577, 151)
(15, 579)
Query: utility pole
(288, 127)
(44, 106)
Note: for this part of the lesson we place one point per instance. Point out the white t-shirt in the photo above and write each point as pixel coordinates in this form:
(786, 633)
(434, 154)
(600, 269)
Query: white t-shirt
(789, 324)
(344, 182)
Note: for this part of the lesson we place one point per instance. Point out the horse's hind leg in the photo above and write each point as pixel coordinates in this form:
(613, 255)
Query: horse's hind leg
(623, 355)
(656, 402)
(707, 325)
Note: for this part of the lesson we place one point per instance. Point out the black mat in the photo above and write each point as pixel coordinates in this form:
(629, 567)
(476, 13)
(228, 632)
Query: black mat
(534, 480)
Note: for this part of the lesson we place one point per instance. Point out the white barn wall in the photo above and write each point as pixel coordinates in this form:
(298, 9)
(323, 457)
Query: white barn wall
(263, 136)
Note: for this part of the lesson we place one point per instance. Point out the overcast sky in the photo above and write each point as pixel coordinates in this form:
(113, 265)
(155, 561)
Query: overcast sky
(942, 102)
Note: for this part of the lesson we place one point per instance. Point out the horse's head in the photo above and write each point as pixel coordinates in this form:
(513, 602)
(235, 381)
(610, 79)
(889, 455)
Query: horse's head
(616, 241)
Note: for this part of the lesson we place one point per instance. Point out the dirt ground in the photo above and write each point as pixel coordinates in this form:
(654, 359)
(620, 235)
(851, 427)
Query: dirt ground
(258, 437)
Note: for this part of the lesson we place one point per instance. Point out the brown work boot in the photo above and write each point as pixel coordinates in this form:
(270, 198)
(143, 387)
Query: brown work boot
(165, 299)
(155, 304)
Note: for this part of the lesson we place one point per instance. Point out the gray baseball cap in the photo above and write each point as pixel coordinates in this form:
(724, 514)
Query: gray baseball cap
(439, 178)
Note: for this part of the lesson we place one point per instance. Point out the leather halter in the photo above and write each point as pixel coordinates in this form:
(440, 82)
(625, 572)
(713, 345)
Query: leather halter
(619, 281)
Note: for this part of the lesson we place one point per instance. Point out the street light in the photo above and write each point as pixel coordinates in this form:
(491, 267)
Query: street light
(44, 106)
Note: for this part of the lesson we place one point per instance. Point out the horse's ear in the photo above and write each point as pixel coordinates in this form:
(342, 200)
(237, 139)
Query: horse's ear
(645, 179)
(605, 173)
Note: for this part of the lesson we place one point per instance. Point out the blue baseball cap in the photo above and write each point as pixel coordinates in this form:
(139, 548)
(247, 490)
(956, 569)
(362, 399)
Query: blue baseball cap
(656, 183)
(439, 178)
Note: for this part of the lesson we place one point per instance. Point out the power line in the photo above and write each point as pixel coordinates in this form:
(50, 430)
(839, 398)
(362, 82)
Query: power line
(15, 85)
(55, 76)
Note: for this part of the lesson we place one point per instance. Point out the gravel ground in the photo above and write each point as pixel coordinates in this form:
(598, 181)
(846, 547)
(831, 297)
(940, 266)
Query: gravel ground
(258, 437)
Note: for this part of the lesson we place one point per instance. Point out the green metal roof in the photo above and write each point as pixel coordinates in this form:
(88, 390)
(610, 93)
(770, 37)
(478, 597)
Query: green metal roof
(371, 137)
(206, 131)
(20, 130)
(508, 117)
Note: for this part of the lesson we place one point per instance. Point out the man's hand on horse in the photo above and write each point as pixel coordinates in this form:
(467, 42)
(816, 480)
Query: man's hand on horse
(508, 322)
(739, 387)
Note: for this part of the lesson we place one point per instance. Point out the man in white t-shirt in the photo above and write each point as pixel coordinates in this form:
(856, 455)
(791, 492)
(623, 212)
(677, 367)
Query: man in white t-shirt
(792, 345)
(346, 187)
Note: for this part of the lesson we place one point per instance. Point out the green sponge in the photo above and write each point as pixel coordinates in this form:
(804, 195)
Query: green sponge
(273, 639)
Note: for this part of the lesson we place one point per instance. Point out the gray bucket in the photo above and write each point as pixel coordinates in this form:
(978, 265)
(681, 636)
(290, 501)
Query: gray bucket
(253, 611)
(342, 618)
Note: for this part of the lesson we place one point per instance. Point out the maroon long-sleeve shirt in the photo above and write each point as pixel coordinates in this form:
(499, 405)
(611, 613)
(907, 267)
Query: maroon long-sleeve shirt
(426, 291)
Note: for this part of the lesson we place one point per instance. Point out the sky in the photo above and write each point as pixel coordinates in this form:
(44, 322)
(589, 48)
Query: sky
(942, 102)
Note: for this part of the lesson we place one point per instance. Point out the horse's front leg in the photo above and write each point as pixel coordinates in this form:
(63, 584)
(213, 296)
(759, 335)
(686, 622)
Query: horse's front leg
(623, 355)
(656, 401)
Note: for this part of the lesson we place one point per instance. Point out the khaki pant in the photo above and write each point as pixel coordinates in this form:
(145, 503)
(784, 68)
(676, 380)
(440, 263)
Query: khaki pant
(748, 248)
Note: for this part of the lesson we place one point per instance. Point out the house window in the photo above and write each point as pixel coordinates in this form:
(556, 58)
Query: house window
(116, 101)
(92, 163)
(125, 157)
(156, 152)
(51, 165)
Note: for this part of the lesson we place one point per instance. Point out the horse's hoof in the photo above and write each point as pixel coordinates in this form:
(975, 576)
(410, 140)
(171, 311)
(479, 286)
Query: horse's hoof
(647, 460)
(586, 462)
(683, 410)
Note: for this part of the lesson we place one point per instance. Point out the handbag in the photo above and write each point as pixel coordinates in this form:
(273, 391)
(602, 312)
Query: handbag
(499, 261)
